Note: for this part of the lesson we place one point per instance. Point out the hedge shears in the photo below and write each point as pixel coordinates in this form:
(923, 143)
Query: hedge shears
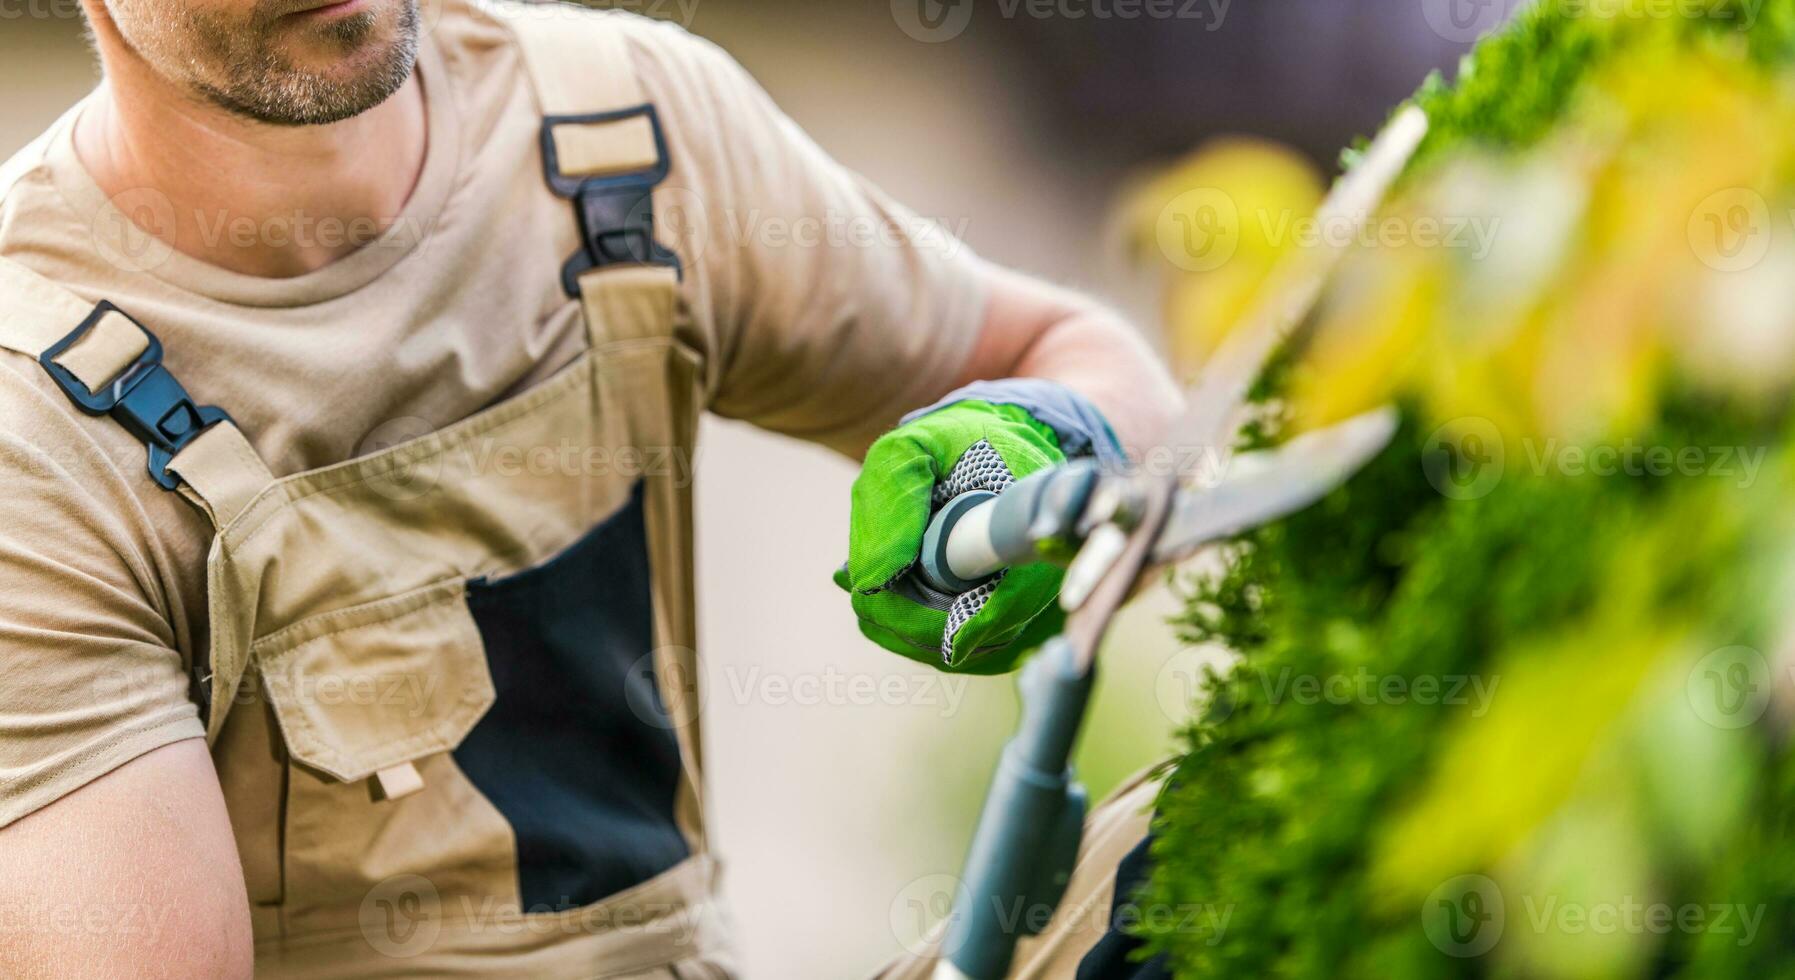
(1121, 529)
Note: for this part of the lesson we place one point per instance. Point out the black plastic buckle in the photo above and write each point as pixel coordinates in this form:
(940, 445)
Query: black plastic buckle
(144, 398)
(616, 211)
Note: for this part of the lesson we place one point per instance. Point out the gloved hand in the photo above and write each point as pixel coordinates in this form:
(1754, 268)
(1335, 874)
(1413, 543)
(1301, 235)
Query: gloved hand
(967, 442)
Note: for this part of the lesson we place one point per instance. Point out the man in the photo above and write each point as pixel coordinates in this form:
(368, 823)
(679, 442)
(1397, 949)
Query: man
(396, 617)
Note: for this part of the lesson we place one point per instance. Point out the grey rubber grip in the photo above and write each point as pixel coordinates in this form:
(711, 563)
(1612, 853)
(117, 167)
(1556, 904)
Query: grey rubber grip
(1015, 516)
(933, 563)
(1043, 506)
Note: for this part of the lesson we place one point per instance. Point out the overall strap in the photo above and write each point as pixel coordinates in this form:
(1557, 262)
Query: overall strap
(109, 364)
(603, 149)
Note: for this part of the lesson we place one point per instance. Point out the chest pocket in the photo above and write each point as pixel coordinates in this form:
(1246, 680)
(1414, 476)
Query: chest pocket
(367, 702)
(364, 692)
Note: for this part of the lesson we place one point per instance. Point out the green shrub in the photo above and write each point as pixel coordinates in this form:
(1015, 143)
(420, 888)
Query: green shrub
(1442, 679)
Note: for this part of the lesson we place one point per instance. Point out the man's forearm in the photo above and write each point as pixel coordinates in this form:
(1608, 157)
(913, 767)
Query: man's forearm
(1101, 357)
(1035, 330)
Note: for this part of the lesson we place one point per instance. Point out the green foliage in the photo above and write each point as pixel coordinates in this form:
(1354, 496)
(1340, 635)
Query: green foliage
(1516, 85)
(1564, 611)
(1275, 813)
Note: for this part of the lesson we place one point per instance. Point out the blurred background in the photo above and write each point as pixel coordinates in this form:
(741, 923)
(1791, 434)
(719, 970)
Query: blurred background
(1020, 124)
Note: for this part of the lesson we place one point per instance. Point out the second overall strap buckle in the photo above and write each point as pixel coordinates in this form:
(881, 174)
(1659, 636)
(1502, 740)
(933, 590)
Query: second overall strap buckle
(144, 397)
(616, 210)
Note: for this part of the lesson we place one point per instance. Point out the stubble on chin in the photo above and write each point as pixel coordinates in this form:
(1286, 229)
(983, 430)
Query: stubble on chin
(246, 71)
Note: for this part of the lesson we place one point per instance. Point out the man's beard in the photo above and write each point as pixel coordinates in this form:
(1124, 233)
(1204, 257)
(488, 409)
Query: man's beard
(252, 77)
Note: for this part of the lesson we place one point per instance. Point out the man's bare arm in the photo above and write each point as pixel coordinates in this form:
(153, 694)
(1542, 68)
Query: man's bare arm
(1036, 330)
(134, 875)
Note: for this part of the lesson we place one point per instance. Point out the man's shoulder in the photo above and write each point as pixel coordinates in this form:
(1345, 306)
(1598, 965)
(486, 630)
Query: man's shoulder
(26, 164)
(574, 17)
(476, 27)
(496, 52)
(34, 413)
(42, 232)
(28, 189)
(482, 24)
(41, 236)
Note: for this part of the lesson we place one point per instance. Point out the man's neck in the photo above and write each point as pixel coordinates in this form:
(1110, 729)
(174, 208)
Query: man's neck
(261, 200)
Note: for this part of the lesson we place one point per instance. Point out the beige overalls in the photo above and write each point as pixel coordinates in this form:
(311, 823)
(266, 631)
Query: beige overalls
(388, 634)
(450, 688)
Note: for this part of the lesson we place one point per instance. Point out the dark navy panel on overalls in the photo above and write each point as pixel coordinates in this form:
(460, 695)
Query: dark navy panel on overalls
(576, 752)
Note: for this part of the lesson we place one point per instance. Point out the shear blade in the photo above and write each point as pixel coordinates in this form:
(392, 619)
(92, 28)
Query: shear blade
(1258, 488)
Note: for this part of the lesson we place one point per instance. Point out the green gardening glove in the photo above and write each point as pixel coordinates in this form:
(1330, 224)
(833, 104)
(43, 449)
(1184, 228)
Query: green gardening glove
(911, 471)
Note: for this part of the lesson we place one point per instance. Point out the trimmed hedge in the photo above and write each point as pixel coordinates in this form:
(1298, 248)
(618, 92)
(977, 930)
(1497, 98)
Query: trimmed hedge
(1444, 693)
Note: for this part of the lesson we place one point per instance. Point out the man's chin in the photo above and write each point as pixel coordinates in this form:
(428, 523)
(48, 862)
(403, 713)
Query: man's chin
(306, 99)
(362, 67)
(318, 74)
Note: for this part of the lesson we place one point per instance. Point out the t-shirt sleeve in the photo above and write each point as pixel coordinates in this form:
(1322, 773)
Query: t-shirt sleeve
(828, 309)
(89, 675)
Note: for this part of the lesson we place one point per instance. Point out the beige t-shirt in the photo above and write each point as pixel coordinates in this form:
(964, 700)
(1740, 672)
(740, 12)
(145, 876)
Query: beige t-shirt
(823, 310)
